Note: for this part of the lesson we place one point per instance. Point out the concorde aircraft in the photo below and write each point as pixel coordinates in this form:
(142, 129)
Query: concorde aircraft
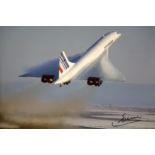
(92, 66)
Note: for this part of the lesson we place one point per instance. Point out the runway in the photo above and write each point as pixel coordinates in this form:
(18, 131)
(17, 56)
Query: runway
(91, 118)
(109, 118)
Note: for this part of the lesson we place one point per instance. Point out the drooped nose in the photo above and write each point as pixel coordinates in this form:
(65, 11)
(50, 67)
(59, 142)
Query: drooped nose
(118, 35)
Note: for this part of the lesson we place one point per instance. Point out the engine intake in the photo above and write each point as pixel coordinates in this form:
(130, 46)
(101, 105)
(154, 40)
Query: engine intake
(47, 78)
(94, 81)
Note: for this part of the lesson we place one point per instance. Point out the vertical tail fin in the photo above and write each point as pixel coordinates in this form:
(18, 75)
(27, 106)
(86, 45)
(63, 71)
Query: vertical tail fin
(64, 63)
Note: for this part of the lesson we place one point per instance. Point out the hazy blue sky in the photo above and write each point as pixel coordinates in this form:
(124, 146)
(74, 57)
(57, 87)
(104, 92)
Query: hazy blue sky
(133, 54)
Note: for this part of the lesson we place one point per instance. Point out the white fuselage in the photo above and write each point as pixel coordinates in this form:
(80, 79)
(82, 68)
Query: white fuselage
(90, 57)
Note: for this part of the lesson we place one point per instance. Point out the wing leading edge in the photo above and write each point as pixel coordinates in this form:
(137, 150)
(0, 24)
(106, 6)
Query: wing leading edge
(49, 68)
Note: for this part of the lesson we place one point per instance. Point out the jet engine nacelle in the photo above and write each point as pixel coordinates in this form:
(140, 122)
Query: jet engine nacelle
(47, 78)
(94, 81)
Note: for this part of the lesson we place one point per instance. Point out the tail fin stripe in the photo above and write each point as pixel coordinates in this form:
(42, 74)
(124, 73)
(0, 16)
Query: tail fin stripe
(64, 62)
(64, 59)
(60, 69)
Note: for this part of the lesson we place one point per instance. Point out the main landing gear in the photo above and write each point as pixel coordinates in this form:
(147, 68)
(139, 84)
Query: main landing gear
(66, 83)
(94, 81)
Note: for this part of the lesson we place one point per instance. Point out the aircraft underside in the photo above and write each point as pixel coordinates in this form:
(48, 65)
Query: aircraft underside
(91, 81)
